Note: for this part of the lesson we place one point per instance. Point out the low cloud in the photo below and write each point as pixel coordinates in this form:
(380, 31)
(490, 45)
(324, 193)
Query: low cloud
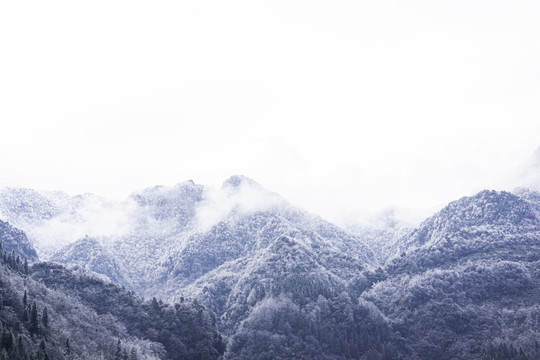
(81, 215)
(529, 174)
(239, 196)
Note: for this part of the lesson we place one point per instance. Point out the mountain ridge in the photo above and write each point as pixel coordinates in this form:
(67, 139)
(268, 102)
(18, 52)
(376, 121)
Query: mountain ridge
(50, 312)
(287, 284)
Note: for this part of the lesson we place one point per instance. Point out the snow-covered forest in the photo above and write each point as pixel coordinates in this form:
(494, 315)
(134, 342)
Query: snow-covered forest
(239, 273)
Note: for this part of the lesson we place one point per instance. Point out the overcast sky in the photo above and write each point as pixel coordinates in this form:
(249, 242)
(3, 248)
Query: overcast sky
(340, 106)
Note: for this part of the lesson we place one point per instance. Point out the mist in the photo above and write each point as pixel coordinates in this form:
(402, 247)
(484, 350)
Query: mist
(238, 196)
(335, 107)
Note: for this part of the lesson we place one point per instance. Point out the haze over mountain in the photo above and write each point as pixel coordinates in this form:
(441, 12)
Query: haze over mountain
(387, 212)
(528, 176)
(339, 107)
(284, 283)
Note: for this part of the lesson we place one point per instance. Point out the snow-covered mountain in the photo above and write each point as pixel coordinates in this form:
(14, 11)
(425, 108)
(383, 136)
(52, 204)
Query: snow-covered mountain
(487, 222)
(50, 312)
(54, 219)
(14, 240)
(92, 256)
(169, 233)
(233, 248)
(287, 284)
(384, 233)
(467, 285)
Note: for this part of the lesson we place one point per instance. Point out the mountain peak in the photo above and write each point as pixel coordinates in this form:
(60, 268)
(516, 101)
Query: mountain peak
(486, 208)
(236, 181)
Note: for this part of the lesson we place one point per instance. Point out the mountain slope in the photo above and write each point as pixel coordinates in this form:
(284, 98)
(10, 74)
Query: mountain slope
(248, 249)
(89, 254)
(15, 240)
(490, 223)
(52, 220)
(285, 284)
(235, 249)
(185, 330)
(49, 312)
(469, 283)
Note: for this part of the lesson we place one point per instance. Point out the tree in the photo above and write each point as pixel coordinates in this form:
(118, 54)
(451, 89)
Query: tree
(133, 355)
(42, 352)
(6, 340)
(118, 352)
(20, 348)
(67, 348)
(34, 325)
(45, 318)
(25, 299)
(155, 304)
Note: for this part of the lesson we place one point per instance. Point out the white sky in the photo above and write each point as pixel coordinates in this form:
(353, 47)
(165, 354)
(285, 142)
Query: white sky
(340, 106)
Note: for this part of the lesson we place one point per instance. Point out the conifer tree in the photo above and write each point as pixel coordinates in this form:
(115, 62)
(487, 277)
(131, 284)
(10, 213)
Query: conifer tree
(67, 348)
(25, 266)
(118, 352)
(34, 325)
(20, 348)
(25, 299)
(45, 317)
(42, 352)
(6, 340)
(133, 355)
(155, 304)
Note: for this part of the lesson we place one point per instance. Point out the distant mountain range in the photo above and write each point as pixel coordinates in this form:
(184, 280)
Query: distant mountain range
(286, 284)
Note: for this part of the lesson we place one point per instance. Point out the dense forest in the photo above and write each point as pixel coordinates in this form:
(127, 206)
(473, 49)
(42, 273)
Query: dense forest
(49, 312)
(278, 283)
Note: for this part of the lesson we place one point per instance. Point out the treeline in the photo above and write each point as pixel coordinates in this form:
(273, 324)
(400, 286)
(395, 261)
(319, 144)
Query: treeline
(24, 326)
(49, 312)
(13, 260)
(186, 330)
(335, 328)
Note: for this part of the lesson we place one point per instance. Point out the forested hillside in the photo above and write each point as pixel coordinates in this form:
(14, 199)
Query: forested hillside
(49, 312)
(281, 283)
(468, 286)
